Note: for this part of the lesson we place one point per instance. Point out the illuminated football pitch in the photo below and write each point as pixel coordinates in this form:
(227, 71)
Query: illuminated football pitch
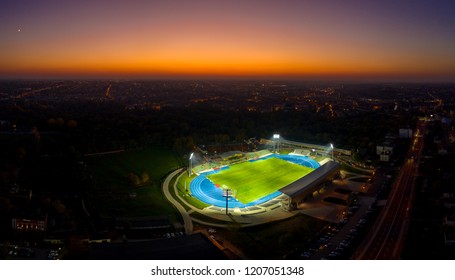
(252, 182)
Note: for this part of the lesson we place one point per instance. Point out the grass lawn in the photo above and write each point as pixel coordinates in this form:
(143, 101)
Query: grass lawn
(183, 194)
(254, 180)
(111, 171)
(112, 193)
(149, 201)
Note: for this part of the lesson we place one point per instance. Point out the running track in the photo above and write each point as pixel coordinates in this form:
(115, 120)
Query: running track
(203, 189)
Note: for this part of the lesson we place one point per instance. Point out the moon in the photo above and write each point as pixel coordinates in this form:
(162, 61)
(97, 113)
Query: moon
(19, 30)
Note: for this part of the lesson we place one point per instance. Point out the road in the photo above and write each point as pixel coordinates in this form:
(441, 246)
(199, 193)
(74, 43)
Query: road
(386, 239)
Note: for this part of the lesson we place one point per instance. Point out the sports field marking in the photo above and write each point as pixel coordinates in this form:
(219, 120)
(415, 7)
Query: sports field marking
(254, 180)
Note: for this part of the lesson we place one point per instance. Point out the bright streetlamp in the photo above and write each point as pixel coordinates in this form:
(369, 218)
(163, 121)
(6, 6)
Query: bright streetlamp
(276, 137)
(190, 165)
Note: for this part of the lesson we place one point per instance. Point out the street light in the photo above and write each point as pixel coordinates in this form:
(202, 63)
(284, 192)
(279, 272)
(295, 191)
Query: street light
(331, 147)
(190, 165)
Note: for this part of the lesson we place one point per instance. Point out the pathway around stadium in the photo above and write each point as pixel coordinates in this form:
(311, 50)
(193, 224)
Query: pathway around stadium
(270, 214)
(188, 223)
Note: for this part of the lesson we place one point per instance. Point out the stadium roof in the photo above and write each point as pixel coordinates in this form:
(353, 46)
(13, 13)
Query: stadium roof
(312, 179)
(225, 155)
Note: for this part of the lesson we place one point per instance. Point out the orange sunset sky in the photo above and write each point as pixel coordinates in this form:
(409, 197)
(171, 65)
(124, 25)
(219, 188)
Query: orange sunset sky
(408, 40)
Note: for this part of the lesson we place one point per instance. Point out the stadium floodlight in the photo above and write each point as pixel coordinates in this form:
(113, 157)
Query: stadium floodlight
(190, 165)
(227, 193)
(276, 137)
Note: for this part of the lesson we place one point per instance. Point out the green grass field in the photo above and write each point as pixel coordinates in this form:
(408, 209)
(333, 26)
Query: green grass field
(111, 189)
(254, 180)
(111, 171)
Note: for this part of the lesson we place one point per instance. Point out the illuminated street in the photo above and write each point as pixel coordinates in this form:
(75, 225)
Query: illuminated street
(385, 241)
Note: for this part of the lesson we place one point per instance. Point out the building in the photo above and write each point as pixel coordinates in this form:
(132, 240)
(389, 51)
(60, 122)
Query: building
(29, 224)
(385, 147)
(187, 247)
(449, 219)
(385, 150)
(303, 189)
(405, 133)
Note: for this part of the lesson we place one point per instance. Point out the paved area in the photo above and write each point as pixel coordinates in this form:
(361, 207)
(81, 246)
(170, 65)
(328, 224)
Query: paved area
(187, 223)
(332, 212)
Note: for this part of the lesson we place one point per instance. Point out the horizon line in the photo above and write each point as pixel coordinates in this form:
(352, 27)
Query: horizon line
(301, 78)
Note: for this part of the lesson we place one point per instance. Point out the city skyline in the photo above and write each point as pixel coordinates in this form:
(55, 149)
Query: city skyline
(358, 40)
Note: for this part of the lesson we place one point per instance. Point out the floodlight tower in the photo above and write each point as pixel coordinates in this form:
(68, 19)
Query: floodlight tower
(227, 193)
(276, 138)
(331, 147)
(190, 165)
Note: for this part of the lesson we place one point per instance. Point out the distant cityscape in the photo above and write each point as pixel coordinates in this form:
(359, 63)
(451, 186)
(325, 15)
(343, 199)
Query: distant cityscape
(84, 164)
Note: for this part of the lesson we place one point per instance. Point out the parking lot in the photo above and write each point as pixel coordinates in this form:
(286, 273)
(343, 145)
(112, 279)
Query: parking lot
(349, 224)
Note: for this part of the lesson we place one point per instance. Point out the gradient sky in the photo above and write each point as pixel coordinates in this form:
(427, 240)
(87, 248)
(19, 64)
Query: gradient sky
(387, 39)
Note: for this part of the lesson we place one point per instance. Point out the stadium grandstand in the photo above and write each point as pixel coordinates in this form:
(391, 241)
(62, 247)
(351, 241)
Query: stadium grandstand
(304, 147)
(303, 189)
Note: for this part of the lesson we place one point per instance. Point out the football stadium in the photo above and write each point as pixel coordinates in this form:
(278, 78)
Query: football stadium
(246, 181)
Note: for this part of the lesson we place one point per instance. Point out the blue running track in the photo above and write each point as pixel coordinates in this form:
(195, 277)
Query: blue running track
(204, 190)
